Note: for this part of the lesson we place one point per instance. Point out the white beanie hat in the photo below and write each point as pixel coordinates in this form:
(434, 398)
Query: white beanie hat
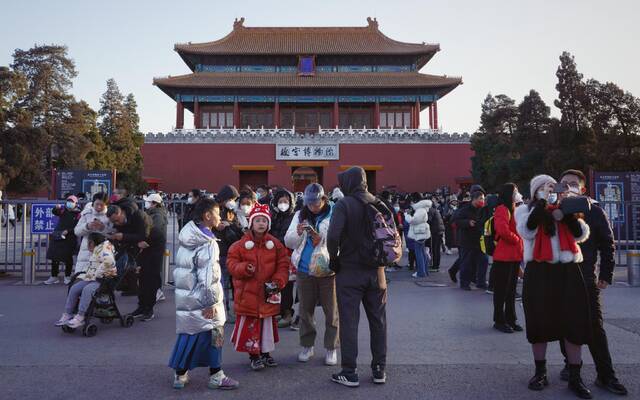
(537, 182)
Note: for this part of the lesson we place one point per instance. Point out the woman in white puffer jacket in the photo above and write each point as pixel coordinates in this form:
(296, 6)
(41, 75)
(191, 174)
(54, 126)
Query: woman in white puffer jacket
(420, 231)
(200, 311)
(93, 218)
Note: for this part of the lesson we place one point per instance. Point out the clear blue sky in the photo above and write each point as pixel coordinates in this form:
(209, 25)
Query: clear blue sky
(496, 46)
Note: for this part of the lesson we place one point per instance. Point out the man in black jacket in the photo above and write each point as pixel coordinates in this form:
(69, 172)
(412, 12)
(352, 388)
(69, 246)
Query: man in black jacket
(600, 241)
(468, 221)
(356, 282)
(436, 225)
(133, 227)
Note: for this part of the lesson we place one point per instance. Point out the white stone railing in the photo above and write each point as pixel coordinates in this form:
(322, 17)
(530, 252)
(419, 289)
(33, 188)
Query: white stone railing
(282, 135)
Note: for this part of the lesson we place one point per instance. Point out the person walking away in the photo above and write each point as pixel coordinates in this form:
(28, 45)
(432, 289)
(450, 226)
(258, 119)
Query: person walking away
(200, 312)
(259, 266)
(471, 257)
(507, 257)
(436, 225)
(102, 264)
(600, 245)
(282, 213)
(356, 282)
(555, 298)
(307, 236)
(228, 231)
(420, 232)
(63, 241)
(93, 219)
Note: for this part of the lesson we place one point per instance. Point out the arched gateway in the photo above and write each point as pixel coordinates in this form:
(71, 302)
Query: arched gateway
(271, 105)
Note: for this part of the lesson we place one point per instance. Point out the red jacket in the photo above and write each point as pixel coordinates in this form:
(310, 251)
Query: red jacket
(509, 245)
(271, 265)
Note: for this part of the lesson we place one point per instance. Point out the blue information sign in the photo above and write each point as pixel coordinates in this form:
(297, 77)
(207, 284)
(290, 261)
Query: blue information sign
(42, 219)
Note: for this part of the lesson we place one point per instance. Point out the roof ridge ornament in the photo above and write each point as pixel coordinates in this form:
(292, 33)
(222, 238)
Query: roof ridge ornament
(372, 22)
(238, 23)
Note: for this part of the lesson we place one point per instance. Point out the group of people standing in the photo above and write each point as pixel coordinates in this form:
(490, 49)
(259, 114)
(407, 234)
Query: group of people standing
(316, 245)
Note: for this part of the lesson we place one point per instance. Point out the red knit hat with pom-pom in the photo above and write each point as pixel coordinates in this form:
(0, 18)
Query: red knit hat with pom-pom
(260, 210)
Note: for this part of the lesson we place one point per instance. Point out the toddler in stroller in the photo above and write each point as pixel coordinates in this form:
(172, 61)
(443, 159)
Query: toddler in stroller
(91, 292)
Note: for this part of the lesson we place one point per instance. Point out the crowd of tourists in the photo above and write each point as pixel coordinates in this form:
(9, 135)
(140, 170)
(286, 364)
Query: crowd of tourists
(263, 260)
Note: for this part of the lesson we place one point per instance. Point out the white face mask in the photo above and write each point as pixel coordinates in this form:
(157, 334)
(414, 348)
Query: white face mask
(553, 197)
(147, 205)
(231, 205)
(283, 207)
(517, 197)
(190, 200)
(245, 209)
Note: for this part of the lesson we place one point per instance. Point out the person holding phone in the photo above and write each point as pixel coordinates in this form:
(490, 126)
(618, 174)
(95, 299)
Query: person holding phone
(92, 219)
(307, 237)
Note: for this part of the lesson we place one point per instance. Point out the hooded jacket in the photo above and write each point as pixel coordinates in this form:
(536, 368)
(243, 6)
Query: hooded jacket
(347, 224)
(280, 221)
(197, 281)
(158, 236)
(88, 215)
(271, 261)
(419, 228)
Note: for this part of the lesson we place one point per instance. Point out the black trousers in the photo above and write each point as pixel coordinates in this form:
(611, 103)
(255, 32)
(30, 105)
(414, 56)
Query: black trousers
(599, 345)
(68, 266)
(150, 278)
(286, 302)
(355, 286)
(505, 279)
(436, 248)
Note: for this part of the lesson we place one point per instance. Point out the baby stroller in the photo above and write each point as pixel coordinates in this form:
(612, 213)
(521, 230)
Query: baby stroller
(103, 306)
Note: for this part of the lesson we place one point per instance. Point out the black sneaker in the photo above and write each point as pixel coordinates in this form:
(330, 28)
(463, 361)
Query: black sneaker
(269, 361)
(517, 328)
(613, 385)
(349, 379)
(452, 275)
(379, 376)
(503, 328)
(147, 316)
(257, 364)
(138, 313)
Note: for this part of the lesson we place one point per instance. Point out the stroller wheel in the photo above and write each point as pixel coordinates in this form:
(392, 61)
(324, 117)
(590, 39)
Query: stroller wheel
(68, 329)
(128, 321)
(106, 320)
(90, 330)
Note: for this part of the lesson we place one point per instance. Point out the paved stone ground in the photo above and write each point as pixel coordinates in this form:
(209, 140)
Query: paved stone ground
(441, 346)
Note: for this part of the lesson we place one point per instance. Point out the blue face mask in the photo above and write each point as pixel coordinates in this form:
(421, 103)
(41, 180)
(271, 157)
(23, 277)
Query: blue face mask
(71, 205)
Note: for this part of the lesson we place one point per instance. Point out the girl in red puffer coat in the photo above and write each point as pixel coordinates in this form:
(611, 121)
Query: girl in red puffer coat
(259, 265)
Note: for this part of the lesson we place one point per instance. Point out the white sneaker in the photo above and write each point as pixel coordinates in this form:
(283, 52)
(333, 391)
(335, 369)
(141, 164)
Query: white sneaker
(52, 280)
(389, 269)
(449, 252)
(75, 322)
(331, 358)
(180, 380)
(160, 296)
(67, 280)
(63, 320)
(306, 354)
(414, 275)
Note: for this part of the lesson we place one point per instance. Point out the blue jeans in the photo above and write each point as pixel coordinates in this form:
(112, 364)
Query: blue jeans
(423, 259)
(473, 267)
(83, 290)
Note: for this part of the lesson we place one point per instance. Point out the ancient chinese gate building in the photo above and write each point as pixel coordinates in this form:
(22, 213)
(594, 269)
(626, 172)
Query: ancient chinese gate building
(287, 106)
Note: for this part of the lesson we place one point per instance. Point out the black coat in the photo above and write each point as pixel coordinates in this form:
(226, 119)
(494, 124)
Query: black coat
(157, 239)
(59, 248)
(135, 230)
(436, 224)
(280, 221)
(230, 234)
(600, 240)
(468, 236)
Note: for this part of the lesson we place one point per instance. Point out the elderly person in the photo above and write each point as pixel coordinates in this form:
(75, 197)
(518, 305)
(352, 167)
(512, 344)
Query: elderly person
(307, 236)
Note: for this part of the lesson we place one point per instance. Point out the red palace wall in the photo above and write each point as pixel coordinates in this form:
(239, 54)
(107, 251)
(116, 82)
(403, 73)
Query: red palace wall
(410, 167)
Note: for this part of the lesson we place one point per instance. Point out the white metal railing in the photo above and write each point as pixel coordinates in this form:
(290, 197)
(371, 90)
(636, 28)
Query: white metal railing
(288, 135)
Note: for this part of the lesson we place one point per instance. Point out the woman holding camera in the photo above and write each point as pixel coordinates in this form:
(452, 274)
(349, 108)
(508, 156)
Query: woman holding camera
(307, 236)
(554, 295)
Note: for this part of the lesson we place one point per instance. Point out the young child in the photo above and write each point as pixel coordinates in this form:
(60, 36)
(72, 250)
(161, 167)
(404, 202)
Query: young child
(259, 266)
(200, 311)
(102, 264)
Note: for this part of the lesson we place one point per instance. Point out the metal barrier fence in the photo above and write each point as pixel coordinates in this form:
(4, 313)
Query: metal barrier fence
(17, 242)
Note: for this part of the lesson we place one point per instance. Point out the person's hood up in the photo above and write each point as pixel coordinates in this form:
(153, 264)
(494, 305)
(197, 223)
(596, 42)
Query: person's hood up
(426, 204)
(353, 182)
(279, 194)
(191, 237)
